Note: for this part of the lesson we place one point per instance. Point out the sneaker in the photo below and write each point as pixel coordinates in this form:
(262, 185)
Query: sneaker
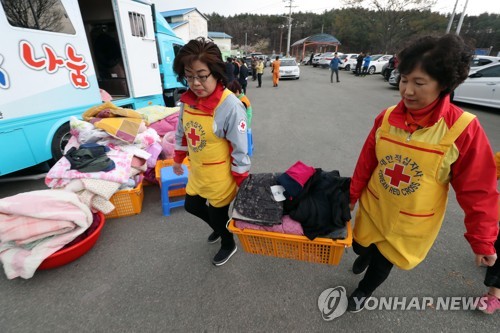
(223, 256)
(356, 302)
(360, 264)
(492, 304)
(213, 238)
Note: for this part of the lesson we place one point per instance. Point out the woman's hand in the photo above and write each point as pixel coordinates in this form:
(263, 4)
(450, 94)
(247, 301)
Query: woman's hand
(487, 260)
(178, 169)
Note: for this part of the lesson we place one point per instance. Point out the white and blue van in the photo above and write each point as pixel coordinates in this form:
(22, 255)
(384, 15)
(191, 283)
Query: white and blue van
(56, 55)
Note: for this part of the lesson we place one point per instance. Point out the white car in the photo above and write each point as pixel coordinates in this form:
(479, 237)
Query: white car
(326, 58)
(316, 59)
(289, 69)
(378, 61)
(481, 60)
(348, 61)
(482, 87)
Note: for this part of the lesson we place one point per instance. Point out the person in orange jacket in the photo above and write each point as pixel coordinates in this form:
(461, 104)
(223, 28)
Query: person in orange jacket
(276, 71)
(413, 152)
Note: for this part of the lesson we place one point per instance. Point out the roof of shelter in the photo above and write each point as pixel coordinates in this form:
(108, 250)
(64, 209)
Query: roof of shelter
(215, 34)
(318, 39)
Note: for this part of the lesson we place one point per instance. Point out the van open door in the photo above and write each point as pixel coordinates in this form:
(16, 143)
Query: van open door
(136, 33)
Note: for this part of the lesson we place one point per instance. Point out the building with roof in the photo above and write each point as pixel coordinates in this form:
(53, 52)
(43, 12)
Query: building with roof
(223, 41)
(315, 43)
(188, 23)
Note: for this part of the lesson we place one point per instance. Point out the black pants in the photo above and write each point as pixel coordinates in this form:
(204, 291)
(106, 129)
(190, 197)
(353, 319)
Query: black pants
(259, 78)
(492, 278)
(365, 71)
(254, 74)
(215, 217)
(336, 71)
(244, 86)
(358, 69)
(378, 270)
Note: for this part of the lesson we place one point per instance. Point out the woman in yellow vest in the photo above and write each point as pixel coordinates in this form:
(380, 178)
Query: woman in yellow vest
(412, 154)
(212, 131)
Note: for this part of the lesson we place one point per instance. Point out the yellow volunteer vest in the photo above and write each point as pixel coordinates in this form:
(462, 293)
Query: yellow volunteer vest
(402, 208)
(210, 176)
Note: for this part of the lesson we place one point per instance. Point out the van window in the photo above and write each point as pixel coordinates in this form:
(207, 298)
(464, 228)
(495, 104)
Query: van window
(137, 24)
(177, 48)
(48, 15)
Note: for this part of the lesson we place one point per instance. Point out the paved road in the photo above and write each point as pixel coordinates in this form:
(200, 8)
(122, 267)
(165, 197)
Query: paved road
(149, 273)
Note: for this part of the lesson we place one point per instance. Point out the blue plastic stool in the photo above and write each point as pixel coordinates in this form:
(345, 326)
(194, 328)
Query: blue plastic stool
(250, 142)
(170, 181)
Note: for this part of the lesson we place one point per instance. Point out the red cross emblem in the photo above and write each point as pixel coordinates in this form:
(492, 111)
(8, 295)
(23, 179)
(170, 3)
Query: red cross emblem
(242, 126)
(193, 137)
(397, 175)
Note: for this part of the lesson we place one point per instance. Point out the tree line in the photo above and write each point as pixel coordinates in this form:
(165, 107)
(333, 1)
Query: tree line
(358, 29)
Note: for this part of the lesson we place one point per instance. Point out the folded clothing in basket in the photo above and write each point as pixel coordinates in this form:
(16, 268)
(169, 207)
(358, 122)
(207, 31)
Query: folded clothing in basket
(255, 202)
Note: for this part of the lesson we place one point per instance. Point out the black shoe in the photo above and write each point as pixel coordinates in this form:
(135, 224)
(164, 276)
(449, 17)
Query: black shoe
(356, 302)
(361, 263)
(213, 238)
(223, 256)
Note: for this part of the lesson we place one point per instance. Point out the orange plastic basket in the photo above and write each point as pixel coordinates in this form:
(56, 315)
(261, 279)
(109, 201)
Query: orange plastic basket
(127, 202)
(164, 163)
(320, 250)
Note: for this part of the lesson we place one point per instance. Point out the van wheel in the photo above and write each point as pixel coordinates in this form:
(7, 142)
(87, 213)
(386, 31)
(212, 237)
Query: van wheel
(59, 141)
(347, 67)
(371, 70)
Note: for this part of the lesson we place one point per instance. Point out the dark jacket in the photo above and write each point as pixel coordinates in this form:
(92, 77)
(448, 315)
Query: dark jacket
(242, 79)
(229, 71)
(323, 205)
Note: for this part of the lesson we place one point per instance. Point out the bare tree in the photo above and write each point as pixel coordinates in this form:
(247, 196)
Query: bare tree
(35, 14)
(394, 15)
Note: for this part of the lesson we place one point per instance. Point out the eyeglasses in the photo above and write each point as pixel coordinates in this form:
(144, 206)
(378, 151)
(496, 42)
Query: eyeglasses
(200, 78)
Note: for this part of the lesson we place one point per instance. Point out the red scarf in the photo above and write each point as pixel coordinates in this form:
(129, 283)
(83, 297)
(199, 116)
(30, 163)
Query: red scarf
(205, 104)
(416, 119)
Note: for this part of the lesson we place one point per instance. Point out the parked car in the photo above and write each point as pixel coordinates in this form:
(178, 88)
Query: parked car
(316, 59)
(481, 60)
(348, 61)
(481, 87)
(326, 58)
(308, 61)
(289, 69)
(377, 62)
(394, 78)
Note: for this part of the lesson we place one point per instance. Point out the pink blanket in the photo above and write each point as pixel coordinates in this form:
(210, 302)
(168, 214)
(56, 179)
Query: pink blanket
(61, 174)
(287, 226)
(33, 225)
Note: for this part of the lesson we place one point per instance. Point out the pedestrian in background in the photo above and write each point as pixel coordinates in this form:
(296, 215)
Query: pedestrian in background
(359, 64)
(413, 152)
(366, 64)
(260, 71)
(276, 71)
(212, 129)
(229, 69)
(254, 65)
(243, 75)
(334, 67)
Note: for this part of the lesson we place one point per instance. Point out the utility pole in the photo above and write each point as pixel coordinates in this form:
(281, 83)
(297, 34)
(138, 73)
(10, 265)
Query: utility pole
(452, 17)
(462, 18)
(289, 26)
